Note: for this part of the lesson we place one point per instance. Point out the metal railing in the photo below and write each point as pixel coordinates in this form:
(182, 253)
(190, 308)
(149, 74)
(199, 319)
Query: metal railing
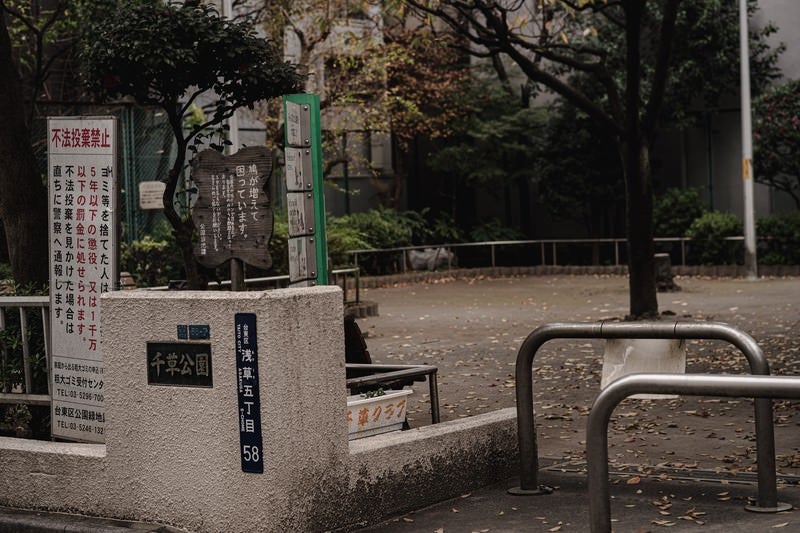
(388, 373)
(764, 428)
(760, 387)
(544, 245)
(23, 395)
(339, 276)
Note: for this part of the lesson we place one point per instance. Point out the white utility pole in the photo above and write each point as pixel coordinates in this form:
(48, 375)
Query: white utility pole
(750, 261)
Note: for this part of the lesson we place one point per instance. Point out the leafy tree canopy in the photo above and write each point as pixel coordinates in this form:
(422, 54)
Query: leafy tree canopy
(170, 54)
(776, 139)
(161, 53)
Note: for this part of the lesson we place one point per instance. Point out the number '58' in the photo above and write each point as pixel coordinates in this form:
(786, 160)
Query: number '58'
(250, 453)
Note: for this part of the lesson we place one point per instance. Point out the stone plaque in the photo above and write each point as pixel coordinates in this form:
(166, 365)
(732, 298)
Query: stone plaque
(180, 364)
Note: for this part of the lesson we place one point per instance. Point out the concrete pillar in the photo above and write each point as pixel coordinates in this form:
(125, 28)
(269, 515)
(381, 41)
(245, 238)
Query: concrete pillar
(174, 451)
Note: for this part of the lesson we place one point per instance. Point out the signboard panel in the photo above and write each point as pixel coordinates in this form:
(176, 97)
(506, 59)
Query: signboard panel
(300, 206)
(82, 166)
(297, 130)
(299, 174)
(250, 441)
(302, 259)
(233, 214)
(305, 200)
(151, 194)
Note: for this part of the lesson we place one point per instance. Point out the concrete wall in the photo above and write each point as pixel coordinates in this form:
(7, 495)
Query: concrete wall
(172, 453)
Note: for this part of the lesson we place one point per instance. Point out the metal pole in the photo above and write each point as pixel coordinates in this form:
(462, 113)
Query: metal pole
(529, 460)
(683, 251)
(346, 175)
(26, 350)
(764, 387)
(358, 286)
(46, 333)
(434, 399)
(750, 260)
(4, 350)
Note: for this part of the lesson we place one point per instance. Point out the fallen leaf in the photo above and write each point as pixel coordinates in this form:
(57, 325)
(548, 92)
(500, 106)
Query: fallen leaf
(407, 519)
(663, 523)
(635, 480)
(783, 524)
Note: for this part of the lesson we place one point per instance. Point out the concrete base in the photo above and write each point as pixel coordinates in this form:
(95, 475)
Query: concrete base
(172, 454)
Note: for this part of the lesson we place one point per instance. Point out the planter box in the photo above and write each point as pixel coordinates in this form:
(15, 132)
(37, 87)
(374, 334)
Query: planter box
(371, 416)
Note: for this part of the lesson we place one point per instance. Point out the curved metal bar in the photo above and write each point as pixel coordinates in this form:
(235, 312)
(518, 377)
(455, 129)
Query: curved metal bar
(765, 434)
(692, 384)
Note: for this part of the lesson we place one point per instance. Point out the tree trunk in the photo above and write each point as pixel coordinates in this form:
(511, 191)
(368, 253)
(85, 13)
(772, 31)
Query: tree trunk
(639, 219)
(183, 230)
(23, 196)
(638, 178)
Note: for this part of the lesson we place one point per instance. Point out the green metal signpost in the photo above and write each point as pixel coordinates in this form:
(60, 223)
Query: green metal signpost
(305, 198)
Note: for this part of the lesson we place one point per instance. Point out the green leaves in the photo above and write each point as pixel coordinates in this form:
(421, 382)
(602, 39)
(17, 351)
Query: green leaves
(157, 53)
(777, 139)
(708, 233)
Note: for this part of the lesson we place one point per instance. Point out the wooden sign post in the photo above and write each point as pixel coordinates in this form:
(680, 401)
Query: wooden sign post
(233, 214)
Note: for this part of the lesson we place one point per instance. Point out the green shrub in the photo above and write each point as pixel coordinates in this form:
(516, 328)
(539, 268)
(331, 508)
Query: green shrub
(494, 230)
(5, 271)
(382, 228)
(779, 239)
(342, 237)
(708, 232)
(154, 259)
(279, 244)
(675, 210)
(443, 230)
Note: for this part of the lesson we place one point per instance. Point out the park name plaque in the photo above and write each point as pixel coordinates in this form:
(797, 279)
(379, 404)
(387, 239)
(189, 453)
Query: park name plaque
(179, 364)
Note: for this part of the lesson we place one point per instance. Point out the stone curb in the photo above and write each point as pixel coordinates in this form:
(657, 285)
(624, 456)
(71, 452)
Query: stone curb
(24, 521)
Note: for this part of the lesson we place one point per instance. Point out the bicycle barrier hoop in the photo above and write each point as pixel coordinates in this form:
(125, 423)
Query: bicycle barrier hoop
(764, 428)
(763, 387)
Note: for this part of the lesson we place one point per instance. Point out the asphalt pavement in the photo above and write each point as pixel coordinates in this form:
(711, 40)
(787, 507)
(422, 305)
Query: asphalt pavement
(686, 465)
(639, 503)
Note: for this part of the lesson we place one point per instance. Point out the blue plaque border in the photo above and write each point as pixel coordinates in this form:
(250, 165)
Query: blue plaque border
(247, 385)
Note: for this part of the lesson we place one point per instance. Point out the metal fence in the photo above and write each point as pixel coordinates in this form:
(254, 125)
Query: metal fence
(147, 145)
(530, 252)
(16, 356)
